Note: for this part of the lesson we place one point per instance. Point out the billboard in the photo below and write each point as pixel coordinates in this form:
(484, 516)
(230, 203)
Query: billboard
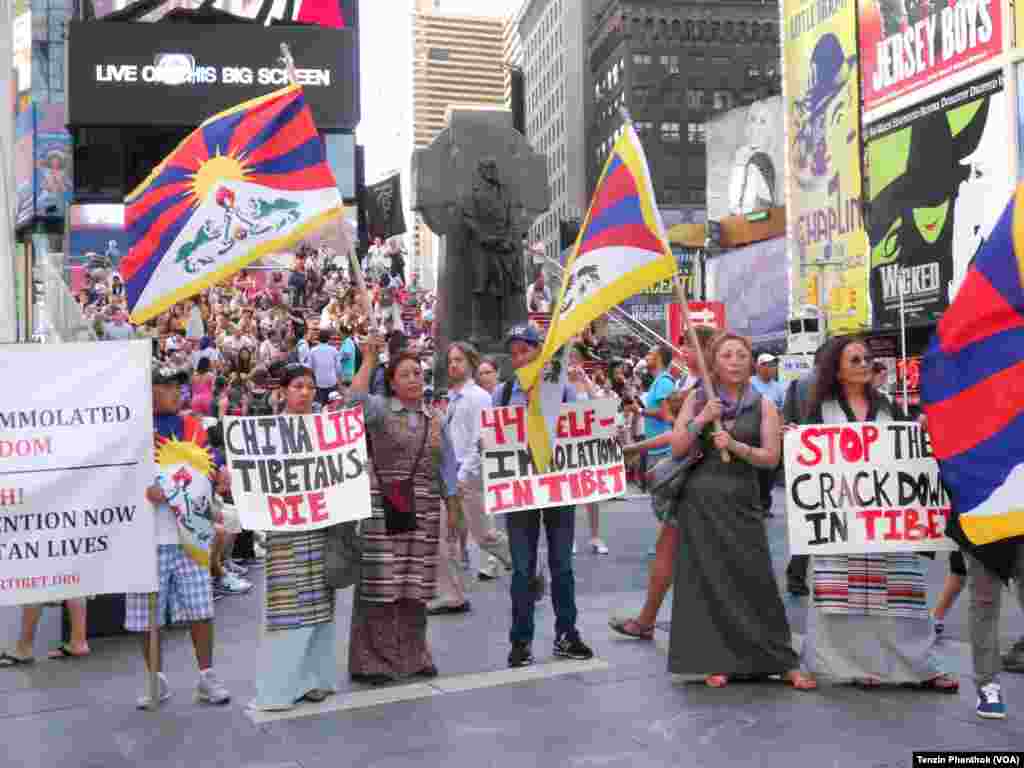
(823, 178)
(24, 176)
(180, 74)
(745, 162)
(905, 46)
(751, 283)
(52, 161)
(935, 178)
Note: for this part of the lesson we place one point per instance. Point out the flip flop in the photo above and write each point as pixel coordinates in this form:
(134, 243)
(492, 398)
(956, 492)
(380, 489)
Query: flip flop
(63, 651)
(619, 625)
(933, 685)
(10, 660)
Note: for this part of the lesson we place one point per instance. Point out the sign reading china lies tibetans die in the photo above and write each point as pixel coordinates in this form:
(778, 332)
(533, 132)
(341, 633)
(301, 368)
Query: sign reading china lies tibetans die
(298, 473)
(905, 46)
(179, 74)
(864, 487)
(823, 178)
(586, 464)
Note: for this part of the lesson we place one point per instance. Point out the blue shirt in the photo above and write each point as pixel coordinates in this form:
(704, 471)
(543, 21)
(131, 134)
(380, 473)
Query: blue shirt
(773, 390)
(662, 387)
(324, 362)
(347, 360)
(518, 396)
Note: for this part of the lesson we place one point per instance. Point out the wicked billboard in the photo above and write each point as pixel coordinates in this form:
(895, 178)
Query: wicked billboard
(933, 172)
(167, 74)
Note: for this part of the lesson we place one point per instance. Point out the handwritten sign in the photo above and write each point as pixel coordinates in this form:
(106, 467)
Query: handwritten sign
(586, 467)
(298, 473)
(864, 487)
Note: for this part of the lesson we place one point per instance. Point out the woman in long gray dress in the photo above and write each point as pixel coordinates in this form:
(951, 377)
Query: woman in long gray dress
(868, 623)
(728, 620)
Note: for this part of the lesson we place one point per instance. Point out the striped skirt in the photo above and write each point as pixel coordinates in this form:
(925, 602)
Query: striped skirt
(297, 592)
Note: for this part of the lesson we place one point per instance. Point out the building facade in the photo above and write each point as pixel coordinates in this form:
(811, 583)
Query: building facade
(457, 60)
(553, 48)
(674, 64)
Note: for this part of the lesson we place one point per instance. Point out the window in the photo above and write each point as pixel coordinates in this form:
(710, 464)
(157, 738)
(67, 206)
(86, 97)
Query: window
(438, 54)
(696, 133)
(644, 127)
(642, 59)
(673, 195)
(671, 63)
(720, 62)
(723, 100)
(753, 71)
(696, 195)
(695, 98)
(749, 97)
(670, 132)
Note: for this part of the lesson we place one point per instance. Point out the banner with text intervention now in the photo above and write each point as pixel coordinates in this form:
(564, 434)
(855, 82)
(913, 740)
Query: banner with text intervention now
(76, 457)
(298, 473)
(864, 487)
(586, 464)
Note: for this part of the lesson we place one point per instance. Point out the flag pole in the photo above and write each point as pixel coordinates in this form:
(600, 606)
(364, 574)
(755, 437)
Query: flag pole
(691, 335)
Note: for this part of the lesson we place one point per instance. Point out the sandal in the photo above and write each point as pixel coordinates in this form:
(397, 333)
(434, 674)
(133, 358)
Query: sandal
(632, 628)
(716, 681)
(938, 684)
(867, 683)
(63, 651)
(799, 681)
(10, 660)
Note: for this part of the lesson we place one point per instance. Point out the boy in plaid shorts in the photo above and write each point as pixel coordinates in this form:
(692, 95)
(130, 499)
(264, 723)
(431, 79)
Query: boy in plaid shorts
(185, 589)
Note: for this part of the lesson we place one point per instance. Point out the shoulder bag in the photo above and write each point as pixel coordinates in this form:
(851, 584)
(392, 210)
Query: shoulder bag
(398, 497)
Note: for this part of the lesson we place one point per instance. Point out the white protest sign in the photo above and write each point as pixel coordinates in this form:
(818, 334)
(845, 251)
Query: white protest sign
(864, 487)
(298, 473)
(76, 457)
(794, 367)
(586, 464)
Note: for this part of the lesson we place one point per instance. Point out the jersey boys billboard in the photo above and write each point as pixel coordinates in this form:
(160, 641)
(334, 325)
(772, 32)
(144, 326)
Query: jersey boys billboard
(907, 45)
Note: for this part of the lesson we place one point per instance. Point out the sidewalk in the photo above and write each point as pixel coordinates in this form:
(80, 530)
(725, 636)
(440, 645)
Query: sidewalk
(622, 709)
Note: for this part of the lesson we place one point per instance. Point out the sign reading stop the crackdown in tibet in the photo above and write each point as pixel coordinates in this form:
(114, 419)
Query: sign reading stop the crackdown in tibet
(864, 487)
(586, 464)
(298, 473)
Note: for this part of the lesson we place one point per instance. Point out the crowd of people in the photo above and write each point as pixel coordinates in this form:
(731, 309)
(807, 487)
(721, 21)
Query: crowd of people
(311, 339)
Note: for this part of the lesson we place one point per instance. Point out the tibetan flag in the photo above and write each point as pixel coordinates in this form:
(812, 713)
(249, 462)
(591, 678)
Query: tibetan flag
(621, 249)
(247, 182)
(972, 386)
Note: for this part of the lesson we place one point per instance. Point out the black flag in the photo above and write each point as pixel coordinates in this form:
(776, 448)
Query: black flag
(383, 205)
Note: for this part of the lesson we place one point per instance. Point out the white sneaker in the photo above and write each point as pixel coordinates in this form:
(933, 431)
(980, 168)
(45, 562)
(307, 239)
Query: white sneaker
(143, 702)
(574, 549)
(231, 584)
(235, 567)
(598, 547)
(211, 690)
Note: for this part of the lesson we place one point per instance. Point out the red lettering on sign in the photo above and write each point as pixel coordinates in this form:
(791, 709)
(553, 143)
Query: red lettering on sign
(490, 420)
(515, 417)
(587, 482)
(915, 531)
(522, 493)
(869, 516)
(574, 486)
(618, 474)
(553, 484)
(807, 439)
(294, 503)
(355, 426)
(870, 437)
(500, 500)
(339, 436)
(893, 534)
(317, 506)
(278, 510)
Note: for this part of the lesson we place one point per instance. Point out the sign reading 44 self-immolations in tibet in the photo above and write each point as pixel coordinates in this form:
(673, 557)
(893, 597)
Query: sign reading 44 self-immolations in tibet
(76, 457)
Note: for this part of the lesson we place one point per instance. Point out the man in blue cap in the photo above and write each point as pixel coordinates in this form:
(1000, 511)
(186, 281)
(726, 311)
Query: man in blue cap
(524, 344)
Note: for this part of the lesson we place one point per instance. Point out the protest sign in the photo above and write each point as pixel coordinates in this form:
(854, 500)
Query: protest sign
(864, 487)
(298, 473)
(794, 367)
(76, 457)
(586, 463)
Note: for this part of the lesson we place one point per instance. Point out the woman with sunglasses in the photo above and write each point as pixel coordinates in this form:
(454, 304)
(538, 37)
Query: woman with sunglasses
(852, 635)
(299, 638)
(408, 445)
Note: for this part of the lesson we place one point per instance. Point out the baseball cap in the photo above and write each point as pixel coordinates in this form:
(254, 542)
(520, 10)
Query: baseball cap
(525, 333)
(766, 359)
(167, 374)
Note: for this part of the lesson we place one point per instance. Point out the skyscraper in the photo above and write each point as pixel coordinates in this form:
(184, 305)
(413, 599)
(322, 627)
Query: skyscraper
(552, 37)
(457, 60)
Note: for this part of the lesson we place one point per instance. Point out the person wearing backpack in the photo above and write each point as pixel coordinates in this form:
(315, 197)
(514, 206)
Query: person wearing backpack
(524, 344)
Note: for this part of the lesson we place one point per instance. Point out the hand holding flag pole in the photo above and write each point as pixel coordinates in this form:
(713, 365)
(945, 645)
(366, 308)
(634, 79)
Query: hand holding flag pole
(691, 335)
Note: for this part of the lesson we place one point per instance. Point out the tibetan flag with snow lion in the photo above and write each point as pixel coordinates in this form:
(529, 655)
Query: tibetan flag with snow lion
(972, 386)
(622, 249)
(247, 182)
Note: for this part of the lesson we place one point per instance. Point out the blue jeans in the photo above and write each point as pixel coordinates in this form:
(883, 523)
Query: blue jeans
(523, 535)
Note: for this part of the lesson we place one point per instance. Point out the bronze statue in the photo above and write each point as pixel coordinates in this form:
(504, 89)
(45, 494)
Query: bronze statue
(494, 246)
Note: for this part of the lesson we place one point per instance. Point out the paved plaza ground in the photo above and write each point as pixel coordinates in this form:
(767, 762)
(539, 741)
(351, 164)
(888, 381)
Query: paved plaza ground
(621, 710)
